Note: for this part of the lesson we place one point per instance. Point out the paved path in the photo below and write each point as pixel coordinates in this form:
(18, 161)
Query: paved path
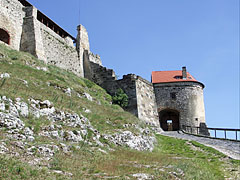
(229, 148)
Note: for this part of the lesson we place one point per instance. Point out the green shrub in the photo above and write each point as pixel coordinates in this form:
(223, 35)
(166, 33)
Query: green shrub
(120, 98)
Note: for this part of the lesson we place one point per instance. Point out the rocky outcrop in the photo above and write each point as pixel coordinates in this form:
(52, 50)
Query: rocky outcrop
(63, 126)
(142, 142)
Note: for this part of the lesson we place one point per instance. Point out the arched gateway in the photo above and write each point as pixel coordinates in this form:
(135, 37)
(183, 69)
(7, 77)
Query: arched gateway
(179, 98)
(169, 120)
(4, 36)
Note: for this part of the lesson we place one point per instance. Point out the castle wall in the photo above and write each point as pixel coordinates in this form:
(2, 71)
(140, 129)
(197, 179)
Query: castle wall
(101, 75)
(106, 78)
(146, 102)
(95, 58)
(11, 20)
(60, 51)
(128, 85)
(140, 92)
(188, 101)
(31, 39)
(30, 35)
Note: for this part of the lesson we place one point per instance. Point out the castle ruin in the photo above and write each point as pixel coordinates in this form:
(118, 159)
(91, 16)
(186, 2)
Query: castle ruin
(172, 100)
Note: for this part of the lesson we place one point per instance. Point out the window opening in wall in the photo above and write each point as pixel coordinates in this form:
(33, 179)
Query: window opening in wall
(196, 119)
(173, 95)
(4, 36)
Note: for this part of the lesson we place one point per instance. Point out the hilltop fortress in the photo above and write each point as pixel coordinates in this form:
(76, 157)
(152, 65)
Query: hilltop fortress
(173, 100)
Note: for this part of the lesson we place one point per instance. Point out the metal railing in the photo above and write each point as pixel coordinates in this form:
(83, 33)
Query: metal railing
(202, 131)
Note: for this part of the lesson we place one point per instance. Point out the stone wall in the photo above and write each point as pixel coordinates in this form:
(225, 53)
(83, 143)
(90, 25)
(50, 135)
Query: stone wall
(82, 39)
(30, 35)
(97, 73)
(146, 102)
(89, 61)
(95, 58)
(106, 78)
(31, 40)
(102, 75)
(60, 51)
(128, 85)
(188, 101)
(141, 97)
(11, 20)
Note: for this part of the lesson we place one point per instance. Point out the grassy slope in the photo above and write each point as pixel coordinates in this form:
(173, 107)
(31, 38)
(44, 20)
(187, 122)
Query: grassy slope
(171, 158)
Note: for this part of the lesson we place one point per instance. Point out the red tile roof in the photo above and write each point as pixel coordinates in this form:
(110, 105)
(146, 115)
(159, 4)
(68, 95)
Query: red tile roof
(170, 76)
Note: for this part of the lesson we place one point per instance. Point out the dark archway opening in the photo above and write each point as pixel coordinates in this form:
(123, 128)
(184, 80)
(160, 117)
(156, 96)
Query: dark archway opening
(4, 36)
(169, 120)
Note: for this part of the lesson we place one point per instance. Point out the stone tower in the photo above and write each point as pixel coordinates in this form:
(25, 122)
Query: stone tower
(179, 100)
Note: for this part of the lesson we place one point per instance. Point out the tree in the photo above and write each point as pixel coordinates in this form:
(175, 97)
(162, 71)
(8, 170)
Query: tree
(120, 98)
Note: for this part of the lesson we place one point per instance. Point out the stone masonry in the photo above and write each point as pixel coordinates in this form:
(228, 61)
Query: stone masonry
(189, 101)
(31, 31)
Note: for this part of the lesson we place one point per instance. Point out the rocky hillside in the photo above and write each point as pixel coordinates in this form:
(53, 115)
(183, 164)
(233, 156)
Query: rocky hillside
(55, 125)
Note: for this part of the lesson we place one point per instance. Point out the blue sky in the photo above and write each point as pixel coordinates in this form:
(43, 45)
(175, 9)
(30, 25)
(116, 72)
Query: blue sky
(140, 36)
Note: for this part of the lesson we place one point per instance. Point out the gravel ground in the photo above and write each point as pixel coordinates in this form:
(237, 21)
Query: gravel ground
(227, 147)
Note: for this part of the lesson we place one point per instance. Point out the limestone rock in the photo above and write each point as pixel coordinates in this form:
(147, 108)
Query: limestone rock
(3, 148)
(10, 122)
(27, 131)
(64, 148)
(88, 96)
(2, 106)
(87, 110)
(22, 107)
(68, 91)
(41, 108)
(142, 176)
(13, 110)
(5, 75)
(42, 68)
(73, 136)
(137, 142)
(43, 150)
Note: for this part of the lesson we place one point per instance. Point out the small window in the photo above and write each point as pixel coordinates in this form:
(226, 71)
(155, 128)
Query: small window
(189, 77)
(196, 119)
(173, 95)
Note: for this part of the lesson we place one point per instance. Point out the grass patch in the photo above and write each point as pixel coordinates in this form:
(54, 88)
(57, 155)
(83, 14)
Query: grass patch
(11, 169)
(162, 163)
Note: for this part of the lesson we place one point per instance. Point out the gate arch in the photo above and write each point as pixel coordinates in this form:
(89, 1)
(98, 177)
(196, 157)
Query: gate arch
(169, 120)
(4, 36)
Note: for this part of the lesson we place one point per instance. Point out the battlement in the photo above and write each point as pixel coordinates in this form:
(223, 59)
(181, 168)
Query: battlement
(130, 76)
